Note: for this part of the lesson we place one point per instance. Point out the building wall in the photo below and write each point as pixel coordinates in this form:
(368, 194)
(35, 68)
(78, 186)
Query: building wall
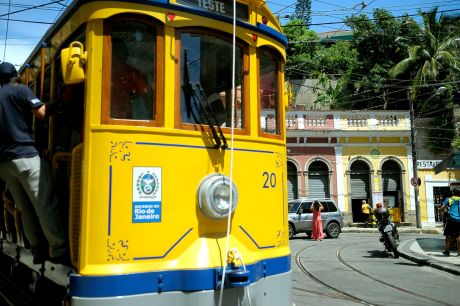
(339, 138)
(303, 156)
(429, 198)
(375, 155)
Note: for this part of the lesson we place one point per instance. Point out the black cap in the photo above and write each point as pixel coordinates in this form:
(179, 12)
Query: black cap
(7, 71)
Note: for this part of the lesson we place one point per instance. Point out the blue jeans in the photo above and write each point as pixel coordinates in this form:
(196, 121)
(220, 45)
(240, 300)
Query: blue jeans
(30, 183)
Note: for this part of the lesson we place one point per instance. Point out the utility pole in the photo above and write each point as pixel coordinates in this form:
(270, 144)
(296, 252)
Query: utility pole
(416, 180)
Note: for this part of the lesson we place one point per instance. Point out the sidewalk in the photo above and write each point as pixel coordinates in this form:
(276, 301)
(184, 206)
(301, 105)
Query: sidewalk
(424, 251)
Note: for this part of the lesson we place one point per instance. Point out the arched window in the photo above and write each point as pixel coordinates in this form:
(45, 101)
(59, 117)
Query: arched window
(318, 180)
(360, 188)
(292, 181)
(132, 70)
(391, 182)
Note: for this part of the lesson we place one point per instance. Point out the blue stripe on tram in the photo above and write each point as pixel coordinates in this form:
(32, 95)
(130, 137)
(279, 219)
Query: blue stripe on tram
(167, 281)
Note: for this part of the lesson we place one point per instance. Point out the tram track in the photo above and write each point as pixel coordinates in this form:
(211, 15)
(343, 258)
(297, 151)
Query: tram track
(341, 294)
(342, 260)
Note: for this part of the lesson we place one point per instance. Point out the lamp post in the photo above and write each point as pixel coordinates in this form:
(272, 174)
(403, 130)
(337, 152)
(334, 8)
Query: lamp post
(415, 179)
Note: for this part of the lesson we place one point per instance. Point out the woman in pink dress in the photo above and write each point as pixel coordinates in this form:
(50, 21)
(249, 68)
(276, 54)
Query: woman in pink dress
(317, 223)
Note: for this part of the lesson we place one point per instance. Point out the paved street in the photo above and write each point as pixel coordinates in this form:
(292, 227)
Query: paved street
(354, 269)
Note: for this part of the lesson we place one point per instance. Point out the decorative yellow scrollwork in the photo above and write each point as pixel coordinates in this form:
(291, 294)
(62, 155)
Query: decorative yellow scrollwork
(117, 251)
(119, 150)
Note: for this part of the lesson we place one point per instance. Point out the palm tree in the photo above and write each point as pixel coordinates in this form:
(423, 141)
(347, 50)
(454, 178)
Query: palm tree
(436, 53)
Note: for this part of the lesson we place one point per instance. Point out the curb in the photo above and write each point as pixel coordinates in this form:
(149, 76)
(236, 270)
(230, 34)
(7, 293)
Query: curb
(400, 230)
(406, 252)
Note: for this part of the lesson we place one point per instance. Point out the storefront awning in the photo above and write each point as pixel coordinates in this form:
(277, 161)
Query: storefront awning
(450, 162)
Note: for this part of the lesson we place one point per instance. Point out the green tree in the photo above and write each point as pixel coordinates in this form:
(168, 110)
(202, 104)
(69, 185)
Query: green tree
(303, 12)
(377, 50)
(432, 61)
(333, 64)
(435, 55)
(303, 45)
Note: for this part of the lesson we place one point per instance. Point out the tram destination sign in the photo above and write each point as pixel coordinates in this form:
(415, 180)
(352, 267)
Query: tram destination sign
(220, 7)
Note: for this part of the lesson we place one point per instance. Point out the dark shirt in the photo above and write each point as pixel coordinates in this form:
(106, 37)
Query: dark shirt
(16, 104)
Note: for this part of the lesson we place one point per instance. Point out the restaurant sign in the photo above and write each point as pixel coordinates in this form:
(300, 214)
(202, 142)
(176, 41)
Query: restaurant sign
(427, 164)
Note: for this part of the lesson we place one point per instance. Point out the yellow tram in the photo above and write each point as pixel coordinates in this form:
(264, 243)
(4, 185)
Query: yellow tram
(168, 150)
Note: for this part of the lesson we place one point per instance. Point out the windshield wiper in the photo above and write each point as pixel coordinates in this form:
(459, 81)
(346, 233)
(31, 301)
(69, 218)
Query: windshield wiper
(187, 88)
(202, 99)
(201, 104)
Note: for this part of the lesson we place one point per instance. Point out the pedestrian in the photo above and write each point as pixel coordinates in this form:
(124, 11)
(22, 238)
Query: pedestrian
(27, 176)
(365, 209)
(443, 210)
(317, 225)
(452, 227)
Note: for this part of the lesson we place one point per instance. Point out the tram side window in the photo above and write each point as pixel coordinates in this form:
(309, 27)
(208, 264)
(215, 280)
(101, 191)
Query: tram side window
(269, 97)
(132, 94)
(206, 62)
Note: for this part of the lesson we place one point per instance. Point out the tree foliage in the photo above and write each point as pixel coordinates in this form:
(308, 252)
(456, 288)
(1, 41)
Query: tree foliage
(301, 49)
(431, 61)
(375, 41)
(303, 11)
(385, 57)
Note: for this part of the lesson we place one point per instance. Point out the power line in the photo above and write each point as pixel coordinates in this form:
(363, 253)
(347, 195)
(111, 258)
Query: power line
(29, 8)
(404, 8)
(27, 21)
(370, 19)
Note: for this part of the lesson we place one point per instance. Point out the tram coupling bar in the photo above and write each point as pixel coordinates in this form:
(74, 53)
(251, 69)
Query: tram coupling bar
(234, 277)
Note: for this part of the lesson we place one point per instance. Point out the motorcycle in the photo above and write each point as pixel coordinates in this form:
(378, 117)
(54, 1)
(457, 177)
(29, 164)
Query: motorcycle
(390, 235)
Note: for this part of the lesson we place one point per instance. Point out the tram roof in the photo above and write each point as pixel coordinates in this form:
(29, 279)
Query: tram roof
(76, 4)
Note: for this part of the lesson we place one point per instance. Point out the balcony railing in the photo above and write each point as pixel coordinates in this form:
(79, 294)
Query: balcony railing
(352, 120)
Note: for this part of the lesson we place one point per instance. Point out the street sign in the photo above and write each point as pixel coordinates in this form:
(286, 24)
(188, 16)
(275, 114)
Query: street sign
(415, 181)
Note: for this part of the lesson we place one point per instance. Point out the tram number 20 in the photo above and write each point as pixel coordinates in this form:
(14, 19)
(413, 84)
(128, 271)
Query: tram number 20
(269, 180)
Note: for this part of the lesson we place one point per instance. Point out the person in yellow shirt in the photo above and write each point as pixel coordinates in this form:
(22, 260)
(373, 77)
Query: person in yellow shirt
(366, 209)
(369, 218)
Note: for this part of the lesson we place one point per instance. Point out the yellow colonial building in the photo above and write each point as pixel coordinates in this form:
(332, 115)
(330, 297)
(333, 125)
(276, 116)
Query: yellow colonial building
(362, 155)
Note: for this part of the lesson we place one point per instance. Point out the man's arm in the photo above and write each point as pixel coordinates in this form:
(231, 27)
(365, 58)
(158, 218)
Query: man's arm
(40, 112)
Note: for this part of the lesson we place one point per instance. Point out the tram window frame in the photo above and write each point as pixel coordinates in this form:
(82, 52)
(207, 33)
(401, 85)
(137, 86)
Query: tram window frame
(42, 90)
(157, 84)
(245, 123)
(277, 134)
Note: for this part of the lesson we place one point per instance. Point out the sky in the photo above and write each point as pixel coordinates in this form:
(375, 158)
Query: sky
(30, 19)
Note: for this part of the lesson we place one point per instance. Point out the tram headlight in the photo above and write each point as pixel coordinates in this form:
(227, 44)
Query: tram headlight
(214, 196)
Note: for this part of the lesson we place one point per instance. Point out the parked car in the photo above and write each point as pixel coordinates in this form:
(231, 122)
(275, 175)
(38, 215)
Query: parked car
(300, 217)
